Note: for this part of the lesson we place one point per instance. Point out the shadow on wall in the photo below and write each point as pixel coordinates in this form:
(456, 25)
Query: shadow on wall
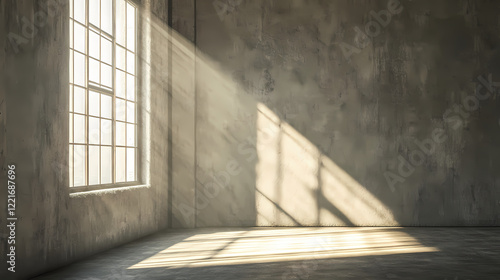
(290, 133)
(327, 129)
(298, 185)
(253, 168)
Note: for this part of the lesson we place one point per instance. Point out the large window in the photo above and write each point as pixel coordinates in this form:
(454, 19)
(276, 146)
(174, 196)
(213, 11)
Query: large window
(103, 99)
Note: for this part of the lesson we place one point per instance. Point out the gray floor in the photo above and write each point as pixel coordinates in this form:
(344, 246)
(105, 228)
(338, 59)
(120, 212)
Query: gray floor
(300, 253)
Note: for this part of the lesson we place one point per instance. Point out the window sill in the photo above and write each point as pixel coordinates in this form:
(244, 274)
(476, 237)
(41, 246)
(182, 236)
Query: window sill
(87, 191)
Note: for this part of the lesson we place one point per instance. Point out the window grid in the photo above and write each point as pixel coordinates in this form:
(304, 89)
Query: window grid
(87, 111)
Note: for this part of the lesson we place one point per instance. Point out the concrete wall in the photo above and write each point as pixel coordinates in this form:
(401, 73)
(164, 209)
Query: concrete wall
(183, 110)
(55, 227)
(303, 120)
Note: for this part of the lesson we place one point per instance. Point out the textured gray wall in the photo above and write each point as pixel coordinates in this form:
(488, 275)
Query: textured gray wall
(317, 133)
(55, 228)
(183, 111)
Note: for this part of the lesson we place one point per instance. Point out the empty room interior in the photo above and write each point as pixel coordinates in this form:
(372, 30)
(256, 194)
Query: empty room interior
(250, 139)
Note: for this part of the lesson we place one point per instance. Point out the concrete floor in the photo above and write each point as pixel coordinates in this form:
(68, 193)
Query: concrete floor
(299, 253)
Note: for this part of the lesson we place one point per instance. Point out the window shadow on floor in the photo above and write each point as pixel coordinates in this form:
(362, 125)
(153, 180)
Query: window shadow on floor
(299, 253)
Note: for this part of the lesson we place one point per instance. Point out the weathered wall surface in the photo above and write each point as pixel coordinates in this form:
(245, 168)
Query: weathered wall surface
(55, 227)
(183, 112)
(325, 121)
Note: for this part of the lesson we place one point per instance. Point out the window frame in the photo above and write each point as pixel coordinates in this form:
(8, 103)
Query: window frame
(112, 93)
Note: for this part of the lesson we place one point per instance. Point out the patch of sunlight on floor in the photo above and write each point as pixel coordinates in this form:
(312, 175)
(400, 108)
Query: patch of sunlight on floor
(288, 244)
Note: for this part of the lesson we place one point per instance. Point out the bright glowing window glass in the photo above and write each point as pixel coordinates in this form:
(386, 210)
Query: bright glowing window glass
(103, 103)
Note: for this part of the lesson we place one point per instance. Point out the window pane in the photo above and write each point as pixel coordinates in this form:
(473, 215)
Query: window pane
(94, 44)
(130, 62)
(120, 109)
(94, 163)
(130, 164)
(71, 165)
(71, 8)
(79, 164)
(120, 22)
(70, 128)
(106, 51)
(94, 103)
(120, 165)
(107, 16)
(106, 132)
(94, 130)
(79, 102)
(79, 69)
(120, 84)
(79, 10)
(80, 37)
(106, 75)
(94, 12)
(94, 70)
(106, 106)
(130, 27)
(120, 134)
(79, 129)
(106, 172)
(130, 87)
(130, 112)
(120, 57)
(131, 135)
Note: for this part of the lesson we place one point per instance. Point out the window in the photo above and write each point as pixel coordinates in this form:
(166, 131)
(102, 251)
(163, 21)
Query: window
(103, 99)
